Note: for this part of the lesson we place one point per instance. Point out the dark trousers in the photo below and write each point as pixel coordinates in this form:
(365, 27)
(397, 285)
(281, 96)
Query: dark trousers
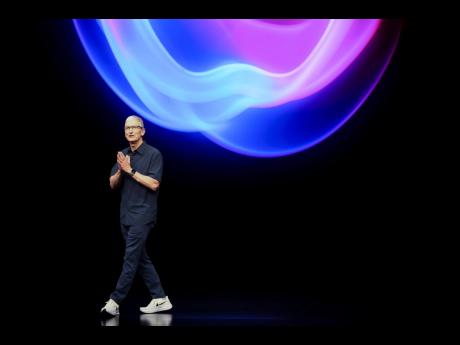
(135, 259)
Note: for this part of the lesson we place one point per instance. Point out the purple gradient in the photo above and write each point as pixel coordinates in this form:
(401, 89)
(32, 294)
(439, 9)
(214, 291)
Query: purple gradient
(273, 87)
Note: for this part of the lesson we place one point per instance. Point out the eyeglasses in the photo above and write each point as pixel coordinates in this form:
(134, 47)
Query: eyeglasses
(127, 128)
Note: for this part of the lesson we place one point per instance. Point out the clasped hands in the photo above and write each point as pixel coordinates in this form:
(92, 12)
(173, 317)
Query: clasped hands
(124, 162)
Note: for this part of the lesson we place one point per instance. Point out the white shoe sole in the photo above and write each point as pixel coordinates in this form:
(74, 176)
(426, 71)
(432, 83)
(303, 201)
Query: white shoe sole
(105, 310)
(164, 307)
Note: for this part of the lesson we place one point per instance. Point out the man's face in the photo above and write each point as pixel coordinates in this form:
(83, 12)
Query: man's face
(133, 130)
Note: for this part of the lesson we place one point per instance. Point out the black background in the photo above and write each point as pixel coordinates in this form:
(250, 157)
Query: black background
(332, 223)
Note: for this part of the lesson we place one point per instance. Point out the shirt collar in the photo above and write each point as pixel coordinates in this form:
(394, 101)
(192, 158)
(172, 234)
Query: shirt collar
(140, 149)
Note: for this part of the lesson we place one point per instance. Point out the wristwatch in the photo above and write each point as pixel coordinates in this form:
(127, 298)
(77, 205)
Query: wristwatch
(133, 171)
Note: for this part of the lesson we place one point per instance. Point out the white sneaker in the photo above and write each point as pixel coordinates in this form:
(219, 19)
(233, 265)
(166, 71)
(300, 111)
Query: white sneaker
(156, 305)
(111, 307)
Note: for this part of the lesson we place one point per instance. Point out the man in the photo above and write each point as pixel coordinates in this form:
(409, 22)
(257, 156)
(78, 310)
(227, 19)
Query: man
(138, 174)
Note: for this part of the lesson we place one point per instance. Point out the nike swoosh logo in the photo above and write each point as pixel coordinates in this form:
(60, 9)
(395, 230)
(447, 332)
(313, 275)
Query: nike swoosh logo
(160, 303)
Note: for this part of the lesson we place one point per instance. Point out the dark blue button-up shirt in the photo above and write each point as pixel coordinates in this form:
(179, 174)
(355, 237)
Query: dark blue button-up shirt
(139, 203)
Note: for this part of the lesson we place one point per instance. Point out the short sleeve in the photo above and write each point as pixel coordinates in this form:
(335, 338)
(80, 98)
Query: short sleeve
(155, 169)
(114, 169)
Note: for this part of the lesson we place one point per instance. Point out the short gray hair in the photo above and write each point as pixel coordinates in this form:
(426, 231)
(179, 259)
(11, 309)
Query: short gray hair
(137, 118)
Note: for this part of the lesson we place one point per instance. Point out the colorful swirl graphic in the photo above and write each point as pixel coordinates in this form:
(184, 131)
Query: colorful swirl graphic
(262, 88)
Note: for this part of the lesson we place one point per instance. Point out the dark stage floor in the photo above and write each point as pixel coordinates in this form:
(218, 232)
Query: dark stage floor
(263, 311)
